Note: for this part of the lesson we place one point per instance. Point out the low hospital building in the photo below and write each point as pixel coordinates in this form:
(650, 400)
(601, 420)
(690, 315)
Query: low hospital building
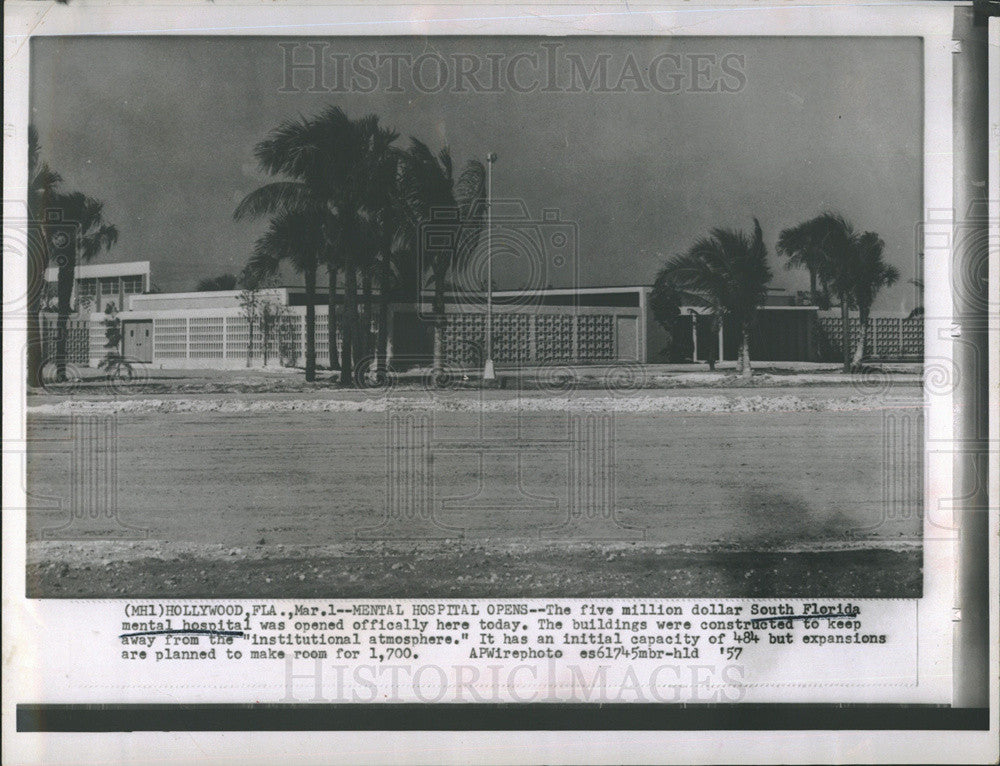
(573, 326)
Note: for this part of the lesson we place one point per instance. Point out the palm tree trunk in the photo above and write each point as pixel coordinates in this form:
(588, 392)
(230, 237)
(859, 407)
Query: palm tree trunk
(331, 318)
(310, 278)
(349, 323)
(250, 323)
(36, 283)
(265, 334)
(382, 342)
(845, 332)
(812, 285)
(745, 371)
(713, 347)
(859, 352)
(439, 319)
(65, 278)
(365, 336)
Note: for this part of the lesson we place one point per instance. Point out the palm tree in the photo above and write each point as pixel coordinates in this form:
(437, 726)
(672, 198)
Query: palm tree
(332, 262)
(367, 263)
(397, 274)
(829, 245)
(665, 304)
(381, 205)
(297, 196)
(431, 187)
(728, 273)
(332, 157)
(800, 248)
(92, 236)
(297, 238)
(392, 230)
(871, 274)
(43, 188)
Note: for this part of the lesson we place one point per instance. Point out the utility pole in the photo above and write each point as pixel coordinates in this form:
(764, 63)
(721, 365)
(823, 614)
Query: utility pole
(488, 371)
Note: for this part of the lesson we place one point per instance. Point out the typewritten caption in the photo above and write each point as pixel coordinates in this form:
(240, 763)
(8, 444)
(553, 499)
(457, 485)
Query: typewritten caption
(498, 650)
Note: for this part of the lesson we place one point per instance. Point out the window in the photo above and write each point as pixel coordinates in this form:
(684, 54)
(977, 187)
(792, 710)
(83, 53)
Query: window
(131, 285)
(86, 288)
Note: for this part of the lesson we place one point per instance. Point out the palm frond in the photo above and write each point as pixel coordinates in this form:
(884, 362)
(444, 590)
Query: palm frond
(727, 272)
(869, 271)
(34, 147)
(295, 237)
(92, 243)
(471, 189)
(444, 157)
(276, 197)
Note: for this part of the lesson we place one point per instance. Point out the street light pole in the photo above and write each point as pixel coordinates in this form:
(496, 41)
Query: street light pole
(488, 372)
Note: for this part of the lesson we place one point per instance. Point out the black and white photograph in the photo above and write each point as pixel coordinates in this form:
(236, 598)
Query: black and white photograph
(468, 317)
(473, 383)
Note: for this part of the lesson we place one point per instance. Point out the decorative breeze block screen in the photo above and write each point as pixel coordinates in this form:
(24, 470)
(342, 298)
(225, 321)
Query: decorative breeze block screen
(596, 337)
(463, 339)
(553, 337)
(512, 338)
(207, 337)
(170, 338)
(889, 338)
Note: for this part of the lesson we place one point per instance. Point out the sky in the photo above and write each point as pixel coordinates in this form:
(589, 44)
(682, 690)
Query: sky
(682, 135)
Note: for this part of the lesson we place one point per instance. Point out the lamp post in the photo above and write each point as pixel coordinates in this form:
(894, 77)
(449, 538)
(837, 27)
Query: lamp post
(488, 372)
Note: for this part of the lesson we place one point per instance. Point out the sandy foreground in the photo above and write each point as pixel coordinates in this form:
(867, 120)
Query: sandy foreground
(769, 492)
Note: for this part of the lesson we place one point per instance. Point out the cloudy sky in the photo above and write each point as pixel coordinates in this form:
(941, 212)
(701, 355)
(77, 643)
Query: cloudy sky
(679, 135)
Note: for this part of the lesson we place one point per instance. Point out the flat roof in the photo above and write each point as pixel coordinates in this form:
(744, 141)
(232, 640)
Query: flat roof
(98, 270)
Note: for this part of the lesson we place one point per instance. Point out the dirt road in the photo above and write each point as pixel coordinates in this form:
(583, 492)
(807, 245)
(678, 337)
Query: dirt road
(687, 500)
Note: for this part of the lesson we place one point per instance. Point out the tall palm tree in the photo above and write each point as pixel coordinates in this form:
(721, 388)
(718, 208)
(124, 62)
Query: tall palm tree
(430, 186)
(293, 196)
(332, 156)
(871, 274)
(398, 277)
(728, 273)
(831, 247)
(393, 232)
(280, 197)
(380, 207)
(43, 188)
(367, 263)
(332, 262)
(93, 235)
(46, 203)
(297, 238)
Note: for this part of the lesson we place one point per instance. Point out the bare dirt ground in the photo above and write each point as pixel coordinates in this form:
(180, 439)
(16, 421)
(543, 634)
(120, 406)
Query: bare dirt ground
(151, 381)
(775, 492)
